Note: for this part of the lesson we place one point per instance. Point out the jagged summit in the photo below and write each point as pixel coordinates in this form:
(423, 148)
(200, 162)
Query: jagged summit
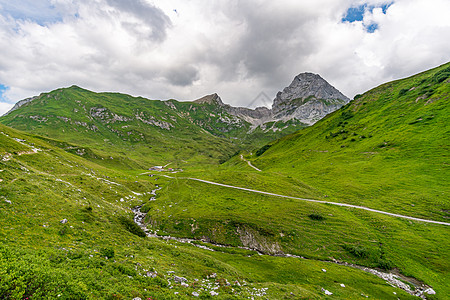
(210, 99)
(308, 98)
(306, 85)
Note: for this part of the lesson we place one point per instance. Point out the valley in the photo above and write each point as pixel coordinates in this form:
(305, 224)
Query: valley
(317, 197)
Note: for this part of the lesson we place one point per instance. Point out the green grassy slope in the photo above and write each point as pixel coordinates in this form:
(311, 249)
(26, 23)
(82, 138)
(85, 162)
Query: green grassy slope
(387, 150)
(97, 254)
(118, 125)
(148, 132)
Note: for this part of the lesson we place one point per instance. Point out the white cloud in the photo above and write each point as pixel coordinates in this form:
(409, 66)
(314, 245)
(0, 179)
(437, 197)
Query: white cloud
(4, 107)
(235, 48)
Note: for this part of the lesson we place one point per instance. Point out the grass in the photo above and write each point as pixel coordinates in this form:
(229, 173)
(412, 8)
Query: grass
(94, 256)
(387, 150)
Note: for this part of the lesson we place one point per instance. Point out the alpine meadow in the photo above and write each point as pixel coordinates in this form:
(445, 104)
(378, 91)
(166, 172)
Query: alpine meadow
(110, 196)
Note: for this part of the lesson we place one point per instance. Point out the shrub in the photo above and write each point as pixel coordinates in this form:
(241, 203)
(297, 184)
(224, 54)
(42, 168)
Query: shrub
(441, 75)
(108, 252)
(263, 149)
(402, 92)
(384, 264)
(316, 217)
(63, 230)
(126, 270)
(131, 226)
(346, 115)
(357, 251)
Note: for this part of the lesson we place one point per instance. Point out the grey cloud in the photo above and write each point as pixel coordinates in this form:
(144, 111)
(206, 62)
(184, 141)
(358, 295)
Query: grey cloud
(149, 14)
(182, 75)
(271, 41)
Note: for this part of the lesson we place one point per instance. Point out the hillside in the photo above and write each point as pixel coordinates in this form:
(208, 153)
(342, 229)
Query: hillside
(125, 127)
(68, 198)
(386, 150)
(67, 233)
(150, 131)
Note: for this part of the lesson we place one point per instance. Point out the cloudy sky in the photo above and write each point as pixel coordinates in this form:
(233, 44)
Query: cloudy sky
(185, 49)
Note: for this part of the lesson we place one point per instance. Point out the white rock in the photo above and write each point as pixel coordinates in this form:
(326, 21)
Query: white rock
(327, 292)
(179, 279)
(342, 285)
(195, 294)
(323, 270)
(430, 291)
(213, 293)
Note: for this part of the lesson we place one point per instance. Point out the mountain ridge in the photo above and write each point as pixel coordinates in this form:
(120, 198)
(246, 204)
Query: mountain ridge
(285, 106)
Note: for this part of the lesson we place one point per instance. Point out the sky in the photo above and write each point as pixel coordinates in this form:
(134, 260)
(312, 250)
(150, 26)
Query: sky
(244, 50)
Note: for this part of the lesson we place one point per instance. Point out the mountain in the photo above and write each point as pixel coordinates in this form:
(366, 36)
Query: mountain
(386, 150)
(67, 206)
(205, 129)
(391, 140)
(67, 232)
(308, 99)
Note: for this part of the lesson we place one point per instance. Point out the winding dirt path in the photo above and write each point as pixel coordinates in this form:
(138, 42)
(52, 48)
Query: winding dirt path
(316, 201)
(249, 163)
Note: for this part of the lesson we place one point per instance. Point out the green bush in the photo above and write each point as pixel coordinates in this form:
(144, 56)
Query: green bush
(131, 226)
(384, 264)
(316, 217)
(108, 252)
(346, 114)
(357, 251)
(263, 149)
(402, 92)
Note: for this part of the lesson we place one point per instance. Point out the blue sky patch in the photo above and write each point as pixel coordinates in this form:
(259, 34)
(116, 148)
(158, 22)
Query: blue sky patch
(41, 12)
(354, 14)
(3, 89)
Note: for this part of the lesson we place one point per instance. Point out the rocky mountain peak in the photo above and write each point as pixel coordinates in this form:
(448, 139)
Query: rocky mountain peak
(210, 99)
(308, 98)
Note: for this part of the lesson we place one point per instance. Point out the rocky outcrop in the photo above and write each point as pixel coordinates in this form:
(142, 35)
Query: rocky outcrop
(21, 103)
(308, 99)
(210, 99)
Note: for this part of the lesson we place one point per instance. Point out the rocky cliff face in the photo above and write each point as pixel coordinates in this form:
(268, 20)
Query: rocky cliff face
(20, 103)
(308, 99)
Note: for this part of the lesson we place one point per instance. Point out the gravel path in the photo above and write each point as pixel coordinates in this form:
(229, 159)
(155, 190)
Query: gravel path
(250, 164)
(316, 201)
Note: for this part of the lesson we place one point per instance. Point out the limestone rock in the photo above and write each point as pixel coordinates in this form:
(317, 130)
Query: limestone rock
(308, 99)
(179, 279)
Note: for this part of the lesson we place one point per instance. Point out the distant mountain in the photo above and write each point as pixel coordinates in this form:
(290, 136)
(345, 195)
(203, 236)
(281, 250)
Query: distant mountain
(308, 99)
(206, 127)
